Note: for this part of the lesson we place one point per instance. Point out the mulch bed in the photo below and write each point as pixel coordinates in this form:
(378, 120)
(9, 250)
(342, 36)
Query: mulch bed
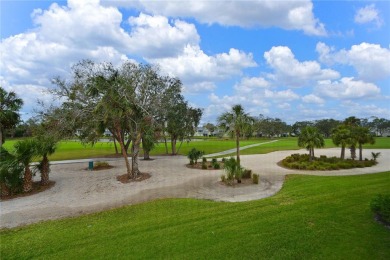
(37, 188)
(209, 166)
(244, 182)
(99, 168)
(125, 178)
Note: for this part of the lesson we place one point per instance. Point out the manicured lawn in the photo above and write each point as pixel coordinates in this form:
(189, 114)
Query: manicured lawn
(312, 217)
(75, 150)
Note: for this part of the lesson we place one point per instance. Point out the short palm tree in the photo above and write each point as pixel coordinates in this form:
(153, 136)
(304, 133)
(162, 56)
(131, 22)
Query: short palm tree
(46, 146)
(341, 136)
(311, 138)
(25, 152)
(235, 123)
(363, 136)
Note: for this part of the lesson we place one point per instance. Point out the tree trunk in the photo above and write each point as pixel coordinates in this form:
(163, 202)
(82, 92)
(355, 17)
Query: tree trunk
(353, 152)
(5, 191)
(173, 143)
(124, 153)
(27, 180)
(116, 148)
(360, 152)
(146, 151)
(342, 156)
(45, 171)
(181, 142)
(166, 145)
(238, 148)
(134, 156)
(127, 145)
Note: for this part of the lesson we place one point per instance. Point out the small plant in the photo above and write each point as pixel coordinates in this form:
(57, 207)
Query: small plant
(375, 156)
(214, 160)
(216, 165)
(246, 174)
(255, 178)
(223, 160)
(204, 160)
(101, 164)
(204, 166)
(194, 156)
(380, 205)
(223, 178)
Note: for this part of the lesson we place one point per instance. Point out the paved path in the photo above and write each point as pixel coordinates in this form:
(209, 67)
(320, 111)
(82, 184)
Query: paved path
(234, 149)
(78, 191)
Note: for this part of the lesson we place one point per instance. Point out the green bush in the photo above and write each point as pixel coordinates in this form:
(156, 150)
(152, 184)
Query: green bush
(214, 160)
(194, 155)
(11, 173)
(204, 160)
(223, 178)
(380, 205)
(101, 164)
(216, 165)
(247, 174)
(233, 170)
(204, 166)
(255, 178)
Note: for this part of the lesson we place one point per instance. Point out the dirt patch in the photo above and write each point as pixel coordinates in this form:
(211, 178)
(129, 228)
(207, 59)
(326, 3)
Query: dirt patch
(37, 188)
(124, 178)
(244, 182)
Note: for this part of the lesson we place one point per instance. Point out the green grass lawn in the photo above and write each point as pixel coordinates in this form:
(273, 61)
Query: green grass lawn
(75, 150)
(311, 217)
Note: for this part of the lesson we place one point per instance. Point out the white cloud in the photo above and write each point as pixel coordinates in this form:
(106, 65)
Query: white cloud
(289, 15)
(368, 14)
(194, 66)
(247, 85)
(288, 70)
(313, 99)
(280, 95)
(371, 61)
(347, 88)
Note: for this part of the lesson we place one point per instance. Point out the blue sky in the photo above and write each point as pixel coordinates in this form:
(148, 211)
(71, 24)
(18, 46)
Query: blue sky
(295, 60)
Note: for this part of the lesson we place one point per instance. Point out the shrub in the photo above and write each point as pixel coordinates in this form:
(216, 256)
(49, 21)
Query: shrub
(216, 165)
(223, 160)
(223, 178)
(214, 160)
(204, 160)
(380, 205)
(11, 173)
(204, 166)
(194, 155)
(247, 174)
(233, 170)
(255, 178)
(101, 164)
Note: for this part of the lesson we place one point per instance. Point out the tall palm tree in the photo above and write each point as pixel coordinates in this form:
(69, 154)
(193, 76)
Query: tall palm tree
(311, 138)
(235, 122)
(25, 152)
(46, 145)
(9, 107)
(352, 123)
(341, 136)
(363, 136)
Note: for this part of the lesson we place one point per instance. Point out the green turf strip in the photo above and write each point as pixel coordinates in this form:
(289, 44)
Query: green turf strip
(311, 217)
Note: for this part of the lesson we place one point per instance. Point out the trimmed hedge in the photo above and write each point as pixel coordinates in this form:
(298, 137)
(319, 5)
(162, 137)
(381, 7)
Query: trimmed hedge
(323, 163)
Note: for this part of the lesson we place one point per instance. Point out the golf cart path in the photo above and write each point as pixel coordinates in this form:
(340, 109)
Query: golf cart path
(78, 191)
(230, 151)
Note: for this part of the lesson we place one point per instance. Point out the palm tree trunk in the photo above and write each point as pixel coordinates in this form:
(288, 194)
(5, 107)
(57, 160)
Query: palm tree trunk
(45, 171)
(360, 152)
(27, 180)
(342, 156)
(353, 152)
(238, 148)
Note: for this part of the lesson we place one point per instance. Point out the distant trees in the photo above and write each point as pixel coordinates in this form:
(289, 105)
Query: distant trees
(10, 105)
(267, 126)
(235, 122)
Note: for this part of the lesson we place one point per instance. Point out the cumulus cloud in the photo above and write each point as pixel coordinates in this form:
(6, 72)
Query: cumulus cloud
(289, 15)
(347, 88)
(248, 85)
(194, 66)
(288, 70)
(313, 99)
(371, 61)
(368, 14)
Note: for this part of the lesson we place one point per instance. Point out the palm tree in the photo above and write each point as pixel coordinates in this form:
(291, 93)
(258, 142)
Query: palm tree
(25, 152)
(341, 136)
(235, 122)
(311, 138)
(9, 106)
(46, 146)
(352, 123)
(363, 136)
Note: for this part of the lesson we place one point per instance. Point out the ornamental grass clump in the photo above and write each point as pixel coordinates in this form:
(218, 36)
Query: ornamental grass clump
(194, 155)
(233, 171)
